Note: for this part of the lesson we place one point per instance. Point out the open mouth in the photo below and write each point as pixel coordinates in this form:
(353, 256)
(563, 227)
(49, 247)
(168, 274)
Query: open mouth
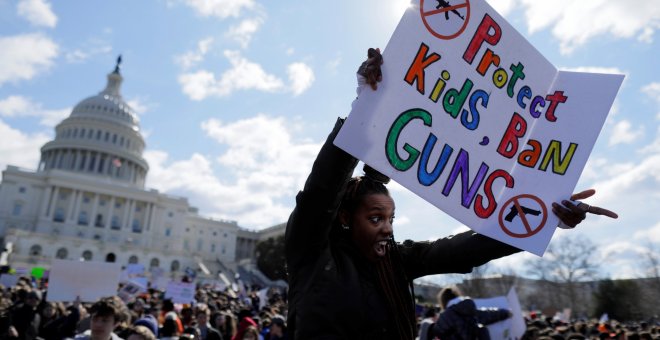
(380, 248)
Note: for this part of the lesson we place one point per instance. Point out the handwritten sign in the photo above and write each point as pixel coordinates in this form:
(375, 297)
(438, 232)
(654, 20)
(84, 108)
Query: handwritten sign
(89, 280)
(180, 292)
(473, 119)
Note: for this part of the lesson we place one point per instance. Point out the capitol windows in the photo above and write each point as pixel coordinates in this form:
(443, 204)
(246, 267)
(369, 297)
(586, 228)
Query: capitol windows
(121, 141)
(62, 254)
(18, 207)
(168, 232)
(99, 221)
(75, 133)
(137, 228)
(98, 134)
(133, 259)
(82, 133)
(82, 218)
(213, 248)
(90, 134)
(114, 138)
(154, 263)
(35, 250)
(114, 223)
(58, 216)
(87, 255)
(107, 136)
(174, 266)
(111, 258)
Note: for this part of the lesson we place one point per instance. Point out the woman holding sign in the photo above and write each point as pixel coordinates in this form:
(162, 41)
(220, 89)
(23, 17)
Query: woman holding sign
(348, 278)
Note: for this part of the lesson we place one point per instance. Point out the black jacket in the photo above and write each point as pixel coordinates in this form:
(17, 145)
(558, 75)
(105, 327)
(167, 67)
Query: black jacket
(333, 290)
(463, 321)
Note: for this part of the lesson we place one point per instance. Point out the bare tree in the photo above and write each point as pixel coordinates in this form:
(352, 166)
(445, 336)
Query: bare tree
(568, 261)
(651, 263)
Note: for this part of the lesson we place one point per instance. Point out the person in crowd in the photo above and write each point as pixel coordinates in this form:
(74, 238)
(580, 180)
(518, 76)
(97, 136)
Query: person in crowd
(224, 322)
(348, 278)
(148, 321)
(140, 333)
(170, 328)
(277, 328)
(63, 326)
(206, 331)
(106, 315)
(251, 333)
(462, 320)
(25, 318)
(430, 317)
(245, 326)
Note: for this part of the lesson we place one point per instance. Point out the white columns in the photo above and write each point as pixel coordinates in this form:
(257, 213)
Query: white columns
(95, 206)
(51, 204)
(111, 207)
(131, 210)
(72, 205)
(44, 201)
(76, 210)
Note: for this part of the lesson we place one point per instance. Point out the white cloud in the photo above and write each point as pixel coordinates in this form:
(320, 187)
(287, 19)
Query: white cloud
(18, 106)
(139, 105)
(220, 8)
(242, 33)
(24, 56)
(622, 133)
(649, 235)
(18, 148)
(258, 176)
(653, 91)
(502, 6)
(37, 12)
(192, 58)
(243, 75)
(80, 55)
(573, 28)
(333, 64)
(301, 77)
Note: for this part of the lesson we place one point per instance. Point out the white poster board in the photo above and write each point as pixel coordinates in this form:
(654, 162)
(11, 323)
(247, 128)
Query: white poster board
(473, 119)
(89, 280)
(180, 292)
(8, 280)
(509, 329)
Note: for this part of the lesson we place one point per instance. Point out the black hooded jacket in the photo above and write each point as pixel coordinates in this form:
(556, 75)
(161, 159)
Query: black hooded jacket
(333, 290)
(464, 321)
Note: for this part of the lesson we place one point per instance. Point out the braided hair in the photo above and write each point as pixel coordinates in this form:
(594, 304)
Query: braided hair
(392, 279)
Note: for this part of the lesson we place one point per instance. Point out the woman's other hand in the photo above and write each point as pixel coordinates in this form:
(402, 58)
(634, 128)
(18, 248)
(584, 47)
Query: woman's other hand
(571, 213)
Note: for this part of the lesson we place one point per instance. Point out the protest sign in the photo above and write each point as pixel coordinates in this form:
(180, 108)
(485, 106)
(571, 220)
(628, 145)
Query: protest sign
(89, 280)
(38, 272)
(135, 269)
(473, 119)
(131, 289)
(509, 329)
(8, 280)
(180, 292)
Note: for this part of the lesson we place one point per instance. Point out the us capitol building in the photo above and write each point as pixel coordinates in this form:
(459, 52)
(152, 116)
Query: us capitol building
(87, 201)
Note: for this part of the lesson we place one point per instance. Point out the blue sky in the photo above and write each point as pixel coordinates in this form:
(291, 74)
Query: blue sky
(235, 97)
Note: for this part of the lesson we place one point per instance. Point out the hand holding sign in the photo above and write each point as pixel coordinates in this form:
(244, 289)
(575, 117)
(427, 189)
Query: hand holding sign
(570, 214)
(370, 68)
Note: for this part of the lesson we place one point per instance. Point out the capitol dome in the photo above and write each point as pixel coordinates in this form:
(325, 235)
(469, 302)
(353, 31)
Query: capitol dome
(101, 137)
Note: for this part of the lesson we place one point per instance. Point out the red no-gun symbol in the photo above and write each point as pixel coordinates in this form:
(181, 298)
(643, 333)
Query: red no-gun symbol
(444, 20)
(526, 214)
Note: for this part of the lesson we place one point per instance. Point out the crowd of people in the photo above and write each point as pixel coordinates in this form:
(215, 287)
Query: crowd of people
(26, 313)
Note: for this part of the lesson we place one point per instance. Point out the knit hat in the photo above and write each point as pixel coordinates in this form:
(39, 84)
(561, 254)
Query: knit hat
(150, 322)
